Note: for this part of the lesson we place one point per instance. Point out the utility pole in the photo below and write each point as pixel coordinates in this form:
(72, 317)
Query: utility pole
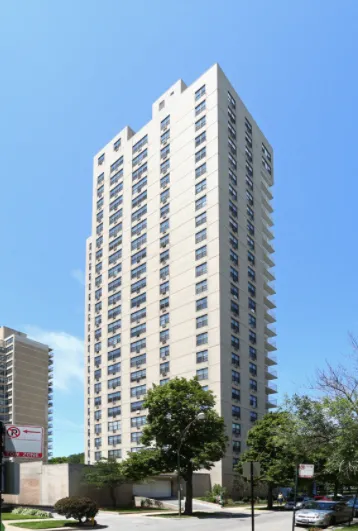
(1, 467)
(252, 496)
(295, 499)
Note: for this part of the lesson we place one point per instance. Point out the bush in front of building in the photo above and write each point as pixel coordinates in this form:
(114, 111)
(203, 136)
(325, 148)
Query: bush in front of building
(77, 507)
(32, 512)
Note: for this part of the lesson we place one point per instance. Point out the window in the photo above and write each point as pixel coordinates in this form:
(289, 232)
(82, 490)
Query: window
(234, 257)
(136, 437)
(164, 196)
(236, 428)
(253, 385)
(164, 226)
(231, 116)
(200, 93)
(248, 125)
(164, 381)
(266, 153)
(235, 394)
(114, 354)
(138, 375)
(253, 369)
(137, 422)
(200, 253)
(112, 398)
(248, 154)
(234, 291)
(253, 401)
(117, 144)
(139, 199)
(114, 425)
(231, 100)
(113, 327)
(200, 219)
(235, 360)
(116, 190)
(232, 147)
(235, 377)
(164, 181)
(250, 213)
(136, 331)
(164, 167)
(164, 288)
(164, 272)
(202, 339)
(137, 346)
(114, 411)
(137, 406)
(202, 356)
(115, 178)
(98, 294)
(114, 271)
(97, 401)
(252, 353)
(164, 303)
(202, 374)
(99, 218)
(235, 325)
(138, 271)
(252, 321)
(164, 256)
(164, 352)
(164, 319)
(200, 236)
(200, 123)
(249, 183)
(138, 187)
(233, 178)
(115, 230)
(112, 259)
(139, 158)
(250, 243)
(201, 321)
(164, 211)
(164, 123)
(115, 204)
(137, 174)
(164, 336)
(252, 337)
(199, 155)
(201, 304)
(201, 287)
(115, 284)
(250, 228)
(235, 342)
(136, 216)
(165, 152)
(99, 241)
(236, 411)
(138, 242)
(98, 442)
(139, 390)
(165, 137)
(233, 225)
(164, 368)
(200, 108)
(232, 192)
(251, 289)
(114, 340)
(100, 179)
(200, 139)
(113, 299)
(234, 242)
(98, 307)
(201, 269)
(139, 227)
(200, 170)
(250, 258)
(100, 159)
(114, 454)
(266, 165)
(161, 105)
(140, 144)
(253, 416)
(137, 257)
(138, 315)
(234, 274)
(232, 209)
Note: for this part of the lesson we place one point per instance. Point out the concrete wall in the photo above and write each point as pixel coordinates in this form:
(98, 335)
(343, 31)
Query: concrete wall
(43, 485)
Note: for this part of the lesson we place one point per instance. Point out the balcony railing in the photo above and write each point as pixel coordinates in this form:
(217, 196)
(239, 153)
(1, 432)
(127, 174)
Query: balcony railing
(270, 302)
(270, 331)
(268, 260)
(266, 190)
(270, 344)
(271, 388)
(270, 374)
(271, 402)
(269, 287)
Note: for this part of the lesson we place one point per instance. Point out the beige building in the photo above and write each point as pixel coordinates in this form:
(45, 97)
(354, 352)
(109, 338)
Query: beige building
(178, 276)
(26, 368)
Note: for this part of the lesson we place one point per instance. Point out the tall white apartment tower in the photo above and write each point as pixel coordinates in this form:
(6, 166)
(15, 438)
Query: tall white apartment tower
(178, 276)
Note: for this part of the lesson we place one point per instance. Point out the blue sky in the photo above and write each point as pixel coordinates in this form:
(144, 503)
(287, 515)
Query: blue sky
(75, 73)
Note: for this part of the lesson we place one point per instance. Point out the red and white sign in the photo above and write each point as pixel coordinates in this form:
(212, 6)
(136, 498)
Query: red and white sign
(23, 441)
(306, 471)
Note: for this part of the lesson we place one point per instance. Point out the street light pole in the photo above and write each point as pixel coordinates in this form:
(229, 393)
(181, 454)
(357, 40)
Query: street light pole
(199, 416)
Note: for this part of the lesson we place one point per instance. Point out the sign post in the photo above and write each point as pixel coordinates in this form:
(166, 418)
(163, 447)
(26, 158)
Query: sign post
(302, 471)
(250, 470)
(23, 441)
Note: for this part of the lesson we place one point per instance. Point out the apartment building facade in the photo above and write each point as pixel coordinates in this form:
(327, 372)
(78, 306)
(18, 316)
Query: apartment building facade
(178, 274)
(26, 392)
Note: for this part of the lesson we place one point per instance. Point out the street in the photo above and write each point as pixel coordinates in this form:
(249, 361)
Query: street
(264, 521)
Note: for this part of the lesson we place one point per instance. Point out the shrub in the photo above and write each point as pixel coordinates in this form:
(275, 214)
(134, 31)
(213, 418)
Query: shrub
(76, 507)
(32, 512)
(146, 503)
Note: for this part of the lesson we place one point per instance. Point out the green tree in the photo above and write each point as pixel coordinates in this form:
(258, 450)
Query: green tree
(73, 458)
(106, 473)
(171, 409)
(267, 444)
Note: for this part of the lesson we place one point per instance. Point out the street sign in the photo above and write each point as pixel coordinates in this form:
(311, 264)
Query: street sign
(23, 441)
(246, 469)
(306, 471)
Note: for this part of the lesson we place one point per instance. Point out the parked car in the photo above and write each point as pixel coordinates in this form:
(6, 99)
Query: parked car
(323, 513)
(350, 503)
(300, 502)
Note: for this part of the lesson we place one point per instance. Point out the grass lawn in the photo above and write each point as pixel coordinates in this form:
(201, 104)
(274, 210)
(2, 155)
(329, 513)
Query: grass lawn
(48, 524)
(128, 510)
(12, 516)
(196, 514)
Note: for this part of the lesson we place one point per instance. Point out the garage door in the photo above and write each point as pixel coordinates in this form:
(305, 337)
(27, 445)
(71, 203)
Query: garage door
(153, 489)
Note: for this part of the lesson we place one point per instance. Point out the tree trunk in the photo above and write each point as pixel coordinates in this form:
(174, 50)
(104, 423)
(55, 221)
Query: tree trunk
(336, 486)
(112, 493)
(270, 496)
(189, 493)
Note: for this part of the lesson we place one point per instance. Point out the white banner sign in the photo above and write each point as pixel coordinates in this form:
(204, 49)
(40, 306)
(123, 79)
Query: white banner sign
(306, 471)
(23, 441)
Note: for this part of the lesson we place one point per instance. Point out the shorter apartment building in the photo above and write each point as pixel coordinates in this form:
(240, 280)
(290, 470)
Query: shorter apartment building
(26, 392)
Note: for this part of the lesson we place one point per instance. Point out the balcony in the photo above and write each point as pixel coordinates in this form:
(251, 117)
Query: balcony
(267, 177)
(270, 277)
(269, 303)
(270, 359)
(266, 191)
(271, 402)
(269, 288)
(267, 205)
(270, 331)
(271, 389)
(270, 345)
(270, 374)
(267, 233)
(267, 245)
(267, 217)
(267, 259)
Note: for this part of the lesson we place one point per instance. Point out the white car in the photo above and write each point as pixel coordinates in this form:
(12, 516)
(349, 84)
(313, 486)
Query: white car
(323, 513)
